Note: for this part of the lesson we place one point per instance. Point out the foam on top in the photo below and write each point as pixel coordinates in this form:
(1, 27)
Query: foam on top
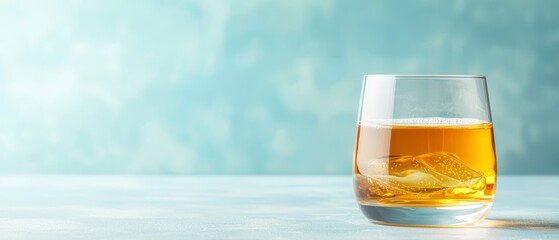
(416, 122)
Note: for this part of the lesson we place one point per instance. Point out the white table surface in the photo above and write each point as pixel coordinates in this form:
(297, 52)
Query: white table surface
(243, 207)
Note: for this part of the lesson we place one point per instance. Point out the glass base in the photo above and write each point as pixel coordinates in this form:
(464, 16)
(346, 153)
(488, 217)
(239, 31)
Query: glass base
(426, 216)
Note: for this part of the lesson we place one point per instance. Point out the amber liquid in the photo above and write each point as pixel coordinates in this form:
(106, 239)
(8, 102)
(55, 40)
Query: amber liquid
(424, 165)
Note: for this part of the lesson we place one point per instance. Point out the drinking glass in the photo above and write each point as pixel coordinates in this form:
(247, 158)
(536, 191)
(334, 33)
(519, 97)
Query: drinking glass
(424, 152)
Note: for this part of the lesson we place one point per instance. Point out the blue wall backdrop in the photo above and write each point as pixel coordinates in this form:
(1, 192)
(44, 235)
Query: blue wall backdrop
(228, 87)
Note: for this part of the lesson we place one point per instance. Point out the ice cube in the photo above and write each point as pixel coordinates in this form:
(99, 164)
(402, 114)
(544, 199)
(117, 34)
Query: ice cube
(374, 186)
(448, 168)
(423, 174)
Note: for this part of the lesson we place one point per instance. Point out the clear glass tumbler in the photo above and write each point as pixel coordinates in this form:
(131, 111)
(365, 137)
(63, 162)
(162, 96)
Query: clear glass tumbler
(424, 152)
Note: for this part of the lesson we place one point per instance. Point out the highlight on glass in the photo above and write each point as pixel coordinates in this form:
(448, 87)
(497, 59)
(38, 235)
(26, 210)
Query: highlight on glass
(424, 152)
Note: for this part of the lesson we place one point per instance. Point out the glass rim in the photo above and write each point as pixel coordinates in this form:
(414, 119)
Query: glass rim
(426, 76)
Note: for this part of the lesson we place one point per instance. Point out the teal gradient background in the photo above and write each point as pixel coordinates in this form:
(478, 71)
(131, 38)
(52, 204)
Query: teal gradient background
(258, 87)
